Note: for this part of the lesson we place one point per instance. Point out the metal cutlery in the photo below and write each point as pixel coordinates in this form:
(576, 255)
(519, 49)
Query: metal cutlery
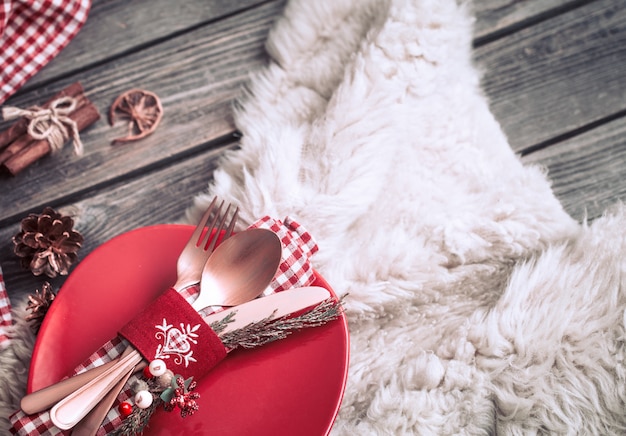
(189, 268)
(274, 306)
(245, 266)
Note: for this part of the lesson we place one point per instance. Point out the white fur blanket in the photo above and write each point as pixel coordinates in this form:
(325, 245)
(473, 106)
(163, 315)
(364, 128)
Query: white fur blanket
(476, 304)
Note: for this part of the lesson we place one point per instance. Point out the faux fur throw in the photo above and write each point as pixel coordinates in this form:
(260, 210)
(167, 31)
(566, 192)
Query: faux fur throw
(476, 304)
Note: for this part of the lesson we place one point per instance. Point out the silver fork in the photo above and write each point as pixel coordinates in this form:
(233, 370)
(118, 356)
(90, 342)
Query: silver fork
(198, 249)
(189, 272)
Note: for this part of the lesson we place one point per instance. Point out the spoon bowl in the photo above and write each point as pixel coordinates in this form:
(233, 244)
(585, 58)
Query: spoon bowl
(239, 269)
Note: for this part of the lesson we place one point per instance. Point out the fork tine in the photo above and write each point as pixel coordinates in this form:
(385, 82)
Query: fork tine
(231, 226)
(197, 233)
(211, 244)
(207, 236)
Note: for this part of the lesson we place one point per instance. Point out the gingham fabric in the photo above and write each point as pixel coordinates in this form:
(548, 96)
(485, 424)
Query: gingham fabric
(31, 34)
(295, 270)
(5, 313)
(298, 247)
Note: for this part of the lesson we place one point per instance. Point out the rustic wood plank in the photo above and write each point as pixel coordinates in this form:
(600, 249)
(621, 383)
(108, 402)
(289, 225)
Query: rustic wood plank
(127, 26)
(123, 26)
(209, 83)
(159, 197)
(494, 17)
(588, 171)
(558, 76)
(197, 75)
(138, 151)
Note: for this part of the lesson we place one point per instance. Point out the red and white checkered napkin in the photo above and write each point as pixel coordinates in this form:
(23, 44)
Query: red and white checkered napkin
(295, 270)
(31, 34)
(5, 313)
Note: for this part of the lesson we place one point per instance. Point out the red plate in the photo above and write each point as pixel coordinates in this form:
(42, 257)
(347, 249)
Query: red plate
(292, 386)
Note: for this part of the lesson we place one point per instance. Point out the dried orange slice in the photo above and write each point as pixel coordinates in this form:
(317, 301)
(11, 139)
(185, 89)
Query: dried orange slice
(142, 109)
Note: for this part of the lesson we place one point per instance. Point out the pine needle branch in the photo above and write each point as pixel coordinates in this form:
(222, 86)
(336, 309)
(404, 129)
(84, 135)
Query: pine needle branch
(271, 329)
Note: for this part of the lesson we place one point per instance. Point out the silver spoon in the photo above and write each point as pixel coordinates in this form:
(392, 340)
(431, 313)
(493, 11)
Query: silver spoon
(237, 271)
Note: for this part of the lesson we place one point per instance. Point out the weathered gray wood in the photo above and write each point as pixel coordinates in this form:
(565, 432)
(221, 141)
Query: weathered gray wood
(588, 171)
(497, 16)
(124, 26)
(539, 81)
(159, 197)
(197, 75)
(116, 27)
(559, 75)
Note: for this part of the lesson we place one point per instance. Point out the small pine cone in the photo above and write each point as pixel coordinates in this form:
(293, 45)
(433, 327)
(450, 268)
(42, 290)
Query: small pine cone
(38, 305)
(47, 244)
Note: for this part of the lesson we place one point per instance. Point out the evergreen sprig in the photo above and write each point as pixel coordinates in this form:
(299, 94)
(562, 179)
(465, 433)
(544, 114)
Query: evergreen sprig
(251, 335)
(271, 329)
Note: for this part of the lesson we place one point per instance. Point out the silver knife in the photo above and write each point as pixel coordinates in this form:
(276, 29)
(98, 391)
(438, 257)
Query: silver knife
(279, 304)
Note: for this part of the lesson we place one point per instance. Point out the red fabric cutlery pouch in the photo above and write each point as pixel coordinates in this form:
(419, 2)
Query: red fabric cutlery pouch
(171, 330)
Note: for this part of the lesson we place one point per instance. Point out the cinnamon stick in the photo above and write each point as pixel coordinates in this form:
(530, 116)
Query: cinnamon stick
(15, 147)
(25, 140)
(19, 128)
(84, 116)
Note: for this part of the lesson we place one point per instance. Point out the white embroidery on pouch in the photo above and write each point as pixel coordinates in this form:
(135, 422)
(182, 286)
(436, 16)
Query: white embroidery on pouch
(176, 342)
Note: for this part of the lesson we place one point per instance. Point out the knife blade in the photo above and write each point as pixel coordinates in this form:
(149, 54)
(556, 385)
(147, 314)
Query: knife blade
(279, 304)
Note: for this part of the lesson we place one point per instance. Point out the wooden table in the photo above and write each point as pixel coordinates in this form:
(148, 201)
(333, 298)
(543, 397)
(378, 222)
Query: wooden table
(553, 71)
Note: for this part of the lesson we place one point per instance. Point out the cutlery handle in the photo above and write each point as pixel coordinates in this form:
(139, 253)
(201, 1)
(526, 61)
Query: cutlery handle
(70, 410)
(89, 425)
(45, 398)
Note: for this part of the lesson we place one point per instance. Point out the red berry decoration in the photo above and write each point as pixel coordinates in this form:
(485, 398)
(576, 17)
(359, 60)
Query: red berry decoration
(125, 409)
(146, 373)
(182, 397)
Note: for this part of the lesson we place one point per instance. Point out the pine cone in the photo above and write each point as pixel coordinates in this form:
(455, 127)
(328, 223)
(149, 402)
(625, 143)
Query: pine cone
(38, 305)
(47, 244)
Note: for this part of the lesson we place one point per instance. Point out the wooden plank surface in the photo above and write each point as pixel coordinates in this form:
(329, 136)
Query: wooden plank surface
(115, 28)
(497, 17)
(197, 76)
(588, 171)
(197, 73)
(558, 76)
(125, 26)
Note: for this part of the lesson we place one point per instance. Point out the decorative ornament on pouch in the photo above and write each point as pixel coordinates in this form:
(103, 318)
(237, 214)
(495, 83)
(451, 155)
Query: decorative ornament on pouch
(177, 342)
(161, 389)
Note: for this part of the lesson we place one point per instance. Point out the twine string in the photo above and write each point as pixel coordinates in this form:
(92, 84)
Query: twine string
(53, 124)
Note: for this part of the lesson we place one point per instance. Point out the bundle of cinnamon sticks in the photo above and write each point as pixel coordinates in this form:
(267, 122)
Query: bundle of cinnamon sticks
(18, 149)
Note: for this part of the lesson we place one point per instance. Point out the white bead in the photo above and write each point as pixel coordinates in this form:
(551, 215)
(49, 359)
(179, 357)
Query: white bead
(157, 367)
(143, 399)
